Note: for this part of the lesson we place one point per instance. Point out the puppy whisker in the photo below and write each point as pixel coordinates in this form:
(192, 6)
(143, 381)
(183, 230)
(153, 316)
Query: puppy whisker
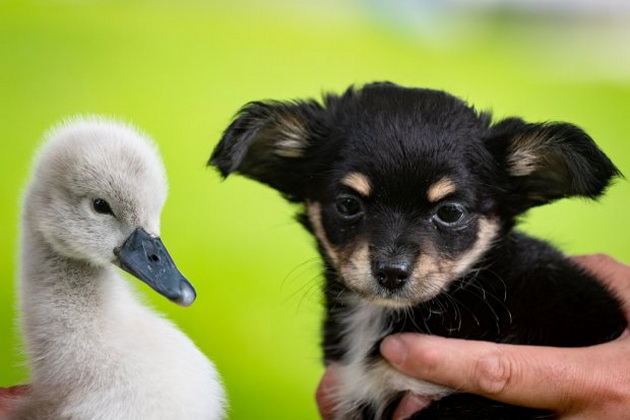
(412, 196)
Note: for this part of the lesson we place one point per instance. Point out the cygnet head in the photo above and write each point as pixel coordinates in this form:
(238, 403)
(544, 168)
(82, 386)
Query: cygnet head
(96, 195)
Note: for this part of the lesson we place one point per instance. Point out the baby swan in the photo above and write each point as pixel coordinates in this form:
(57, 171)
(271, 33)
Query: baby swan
(96, 352)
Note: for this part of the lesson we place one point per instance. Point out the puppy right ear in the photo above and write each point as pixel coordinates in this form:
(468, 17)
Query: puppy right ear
(268, 142)
(548, 161)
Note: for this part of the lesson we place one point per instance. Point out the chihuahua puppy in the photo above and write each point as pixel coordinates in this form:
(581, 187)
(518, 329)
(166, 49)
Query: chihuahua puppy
(412, 196)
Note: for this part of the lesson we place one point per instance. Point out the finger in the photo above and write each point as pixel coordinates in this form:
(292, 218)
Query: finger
(614, 273)
(540, 377)
(611, 272)
(324, 396)
(409, 405)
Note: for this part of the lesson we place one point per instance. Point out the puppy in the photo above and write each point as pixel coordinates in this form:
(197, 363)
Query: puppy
(413, 196)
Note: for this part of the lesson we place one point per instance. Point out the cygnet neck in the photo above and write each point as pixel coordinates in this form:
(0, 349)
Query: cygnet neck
(57, 288)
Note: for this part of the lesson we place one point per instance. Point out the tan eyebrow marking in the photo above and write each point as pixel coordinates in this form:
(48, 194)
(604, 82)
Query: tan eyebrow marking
(440, 189)
(358, 182)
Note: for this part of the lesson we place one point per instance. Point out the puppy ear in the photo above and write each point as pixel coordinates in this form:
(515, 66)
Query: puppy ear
(548, 161)
(268, 142)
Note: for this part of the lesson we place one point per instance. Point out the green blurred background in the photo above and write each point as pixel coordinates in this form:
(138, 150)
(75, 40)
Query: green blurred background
(180, 69)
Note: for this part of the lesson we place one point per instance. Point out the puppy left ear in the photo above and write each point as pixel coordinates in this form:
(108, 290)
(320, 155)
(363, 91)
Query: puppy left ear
(549, 161)
(268, 142)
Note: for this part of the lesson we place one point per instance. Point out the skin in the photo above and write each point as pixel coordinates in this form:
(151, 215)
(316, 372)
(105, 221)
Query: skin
(8, 395)
(588, 383)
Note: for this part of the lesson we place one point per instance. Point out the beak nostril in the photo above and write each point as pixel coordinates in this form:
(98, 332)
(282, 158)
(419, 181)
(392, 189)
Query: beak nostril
(154, 258)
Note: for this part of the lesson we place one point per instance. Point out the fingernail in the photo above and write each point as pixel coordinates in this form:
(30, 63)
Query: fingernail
(394, 349)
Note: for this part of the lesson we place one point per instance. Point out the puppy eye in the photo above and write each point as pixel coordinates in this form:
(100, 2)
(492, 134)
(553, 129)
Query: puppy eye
(348, 206)
(450, 213)
(101, 206)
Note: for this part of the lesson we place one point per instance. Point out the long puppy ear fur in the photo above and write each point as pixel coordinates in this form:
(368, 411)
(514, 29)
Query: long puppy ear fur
(548, 161)
(268, 142)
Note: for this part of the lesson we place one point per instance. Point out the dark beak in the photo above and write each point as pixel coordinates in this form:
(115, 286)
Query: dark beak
(145, 257)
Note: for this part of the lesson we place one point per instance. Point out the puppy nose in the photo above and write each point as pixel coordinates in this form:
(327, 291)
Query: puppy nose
(392, 275)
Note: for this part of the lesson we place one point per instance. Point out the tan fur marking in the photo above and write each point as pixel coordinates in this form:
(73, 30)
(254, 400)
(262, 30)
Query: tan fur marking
(441, 189)
(432, 274)
(356, 268)
(522, 163)
(358, 182)
(429, 274)
(426, 264)
(488, 229)
(293, 137)
(314, 213)
(525, 153)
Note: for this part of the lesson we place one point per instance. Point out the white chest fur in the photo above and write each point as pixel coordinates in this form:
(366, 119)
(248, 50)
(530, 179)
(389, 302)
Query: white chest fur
(362, 380)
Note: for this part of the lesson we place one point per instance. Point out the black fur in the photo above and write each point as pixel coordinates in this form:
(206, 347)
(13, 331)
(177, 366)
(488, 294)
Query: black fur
(404, 141)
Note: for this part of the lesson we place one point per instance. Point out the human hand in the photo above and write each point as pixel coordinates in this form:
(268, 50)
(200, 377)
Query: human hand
(325, 398)
(577, 383)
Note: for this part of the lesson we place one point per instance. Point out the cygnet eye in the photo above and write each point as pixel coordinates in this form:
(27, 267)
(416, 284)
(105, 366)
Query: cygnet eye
(101, 206)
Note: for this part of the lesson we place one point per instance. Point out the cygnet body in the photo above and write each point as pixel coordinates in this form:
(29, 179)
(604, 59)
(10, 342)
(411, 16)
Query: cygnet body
(93, 203)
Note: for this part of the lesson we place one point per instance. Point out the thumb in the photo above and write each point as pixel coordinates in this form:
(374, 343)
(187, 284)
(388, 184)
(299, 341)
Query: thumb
(541, 377)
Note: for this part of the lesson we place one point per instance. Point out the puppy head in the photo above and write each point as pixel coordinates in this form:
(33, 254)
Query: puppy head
(407, 189)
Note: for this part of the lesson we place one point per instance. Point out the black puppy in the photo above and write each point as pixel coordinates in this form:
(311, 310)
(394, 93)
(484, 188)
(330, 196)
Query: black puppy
(413, 196)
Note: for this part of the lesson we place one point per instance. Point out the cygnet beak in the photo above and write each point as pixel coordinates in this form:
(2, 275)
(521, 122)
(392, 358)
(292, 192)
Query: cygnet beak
(145, 257)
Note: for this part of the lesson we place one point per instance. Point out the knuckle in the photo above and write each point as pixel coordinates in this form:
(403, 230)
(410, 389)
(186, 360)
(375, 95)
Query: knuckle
(609, 391)
(601, 259)
(494, 373)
